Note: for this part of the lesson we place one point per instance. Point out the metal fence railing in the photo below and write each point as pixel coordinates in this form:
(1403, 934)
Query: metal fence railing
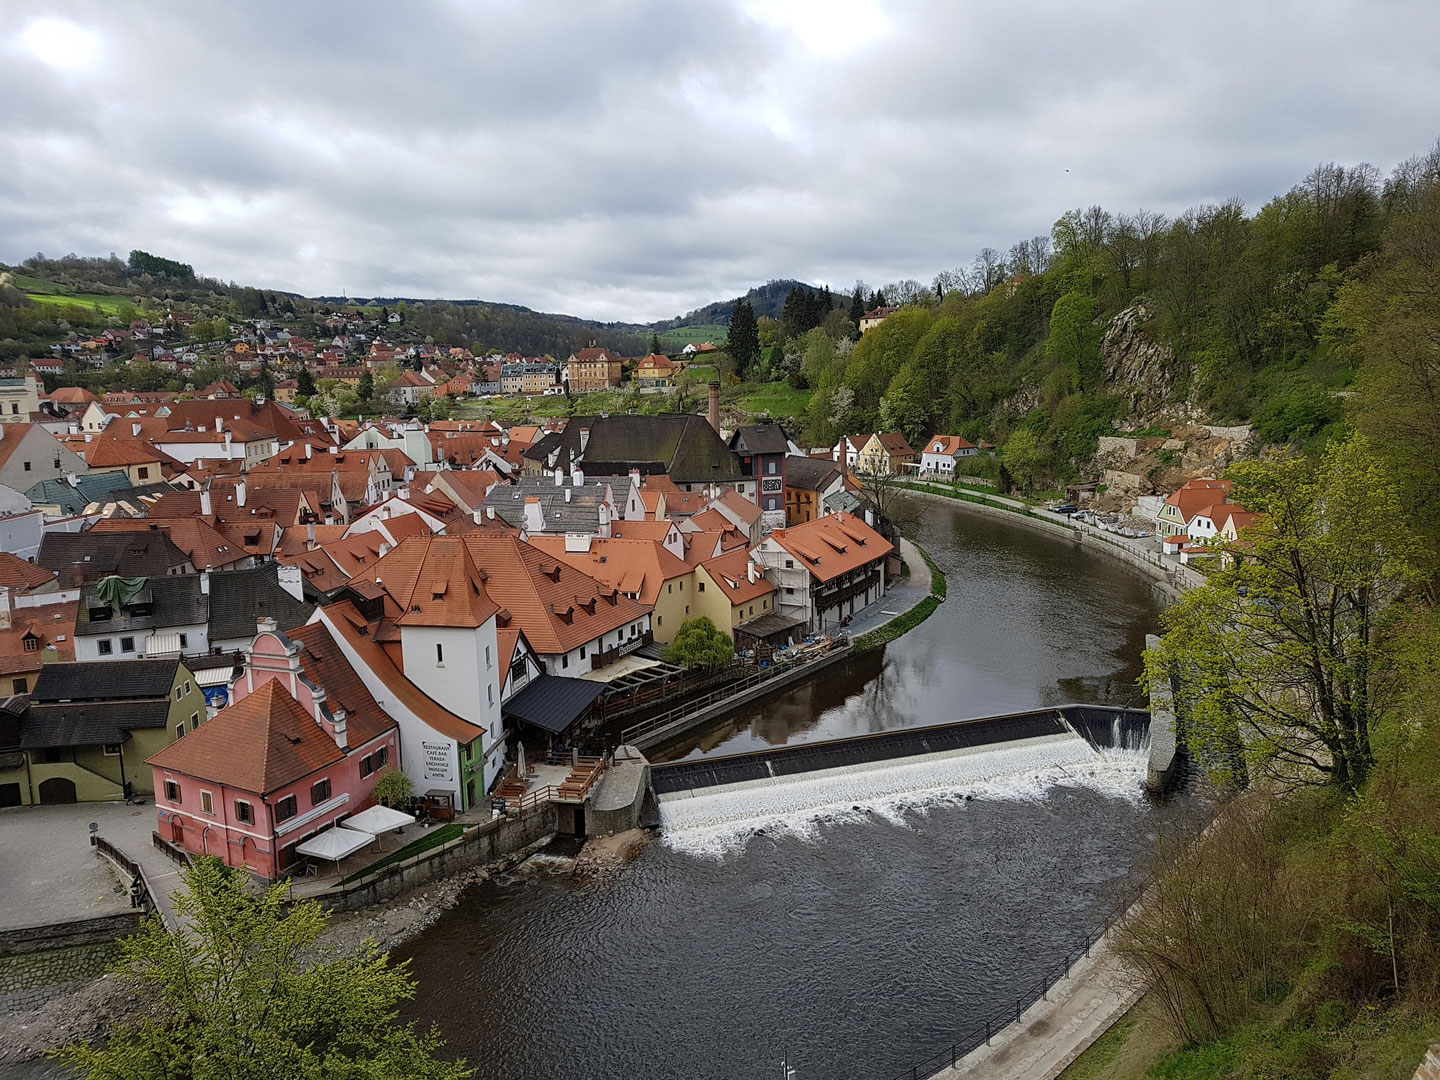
(997, 1022)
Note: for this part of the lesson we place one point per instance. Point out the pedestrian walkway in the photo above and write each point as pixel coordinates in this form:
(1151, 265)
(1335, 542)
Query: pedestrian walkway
(904, 593)
(1058, 1028)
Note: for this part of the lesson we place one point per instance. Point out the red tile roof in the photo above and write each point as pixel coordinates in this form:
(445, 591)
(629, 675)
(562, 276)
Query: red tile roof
(833, 545)
(260, 744)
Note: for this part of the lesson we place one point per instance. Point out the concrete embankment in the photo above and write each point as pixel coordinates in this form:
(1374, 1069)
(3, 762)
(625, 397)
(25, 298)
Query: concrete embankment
(1170, 577)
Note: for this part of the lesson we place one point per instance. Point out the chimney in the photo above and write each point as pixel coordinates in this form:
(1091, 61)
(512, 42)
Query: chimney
(340, 729)
(490, 512)
(584, 438)
(559, 477)
(869, 517)
(4, 607)
(750, 571)
(266, 625)
(715, 406)
(534, 520)
(204, 582)
(219, 424)
(239, 493)
(604, 510)
(334, 448)
(290, 580)
(310, 536)
(577, 477)
(205, 507)
(308, 450)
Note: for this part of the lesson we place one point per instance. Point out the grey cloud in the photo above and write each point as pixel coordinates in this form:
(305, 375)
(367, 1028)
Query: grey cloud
(634, 160)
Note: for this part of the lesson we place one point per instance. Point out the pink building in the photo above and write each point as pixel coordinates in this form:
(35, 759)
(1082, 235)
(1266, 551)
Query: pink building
(299, 750)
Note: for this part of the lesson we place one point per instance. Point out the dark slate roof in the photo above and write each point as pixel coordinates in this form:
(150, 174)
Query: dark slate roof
(760, 439)
(74, 498)
(12, 713)
(553, 702)
(90, 556)
(91, 723)
(685, 447)
(240, 598)
(105, 680)
(174, 600)
(579, 513)
(809, 473)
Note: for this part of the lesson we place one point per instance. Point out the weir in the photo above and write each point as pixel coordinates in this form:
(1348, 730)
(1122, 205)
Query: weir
(1102, 727)
(713, 805)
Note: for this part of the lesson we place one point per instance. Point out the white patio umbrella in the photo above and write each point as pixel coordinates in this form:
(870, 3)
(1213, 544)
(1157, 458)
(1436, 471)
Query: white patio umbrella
(334, 844)
(378, 820)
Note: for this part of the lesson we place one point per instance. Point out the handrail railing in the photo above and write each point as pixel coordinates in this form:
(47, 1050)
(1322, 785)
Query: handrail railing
(175, 854)
(994, 1025)
(660, 720)
(140, 892)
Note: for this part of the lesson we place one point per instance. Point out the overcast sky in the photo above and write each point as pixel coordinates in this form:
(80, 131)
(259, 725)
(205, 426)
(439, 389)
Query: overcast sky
(633, 160)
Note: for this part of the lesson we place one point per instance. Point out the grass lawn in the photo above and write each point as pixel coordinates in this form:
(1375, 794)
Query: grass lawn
(681, 336)
(110, 305)
(432, 838)
(778, 399)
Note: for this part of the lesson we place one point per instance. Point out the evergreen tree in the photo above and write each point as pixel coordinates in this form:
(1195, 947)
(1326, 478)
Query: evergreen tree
(655, 344)
(857, 304)
(305, 383)
(743, 342)
(366, 390)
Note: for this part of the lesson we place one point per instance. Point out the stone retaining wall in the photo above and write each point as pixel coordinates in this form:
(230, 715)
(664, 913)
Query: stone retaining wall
(29, 980)
(490, 841)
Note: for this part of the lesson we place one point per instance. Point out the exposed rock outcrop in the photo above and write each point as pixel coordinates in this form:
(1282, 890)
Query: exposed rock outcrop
(1142, 370)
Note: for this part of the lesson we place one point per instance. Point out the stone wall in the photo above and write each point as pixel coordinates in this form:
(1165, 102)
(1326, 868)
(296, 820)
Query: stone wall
(491, 841)
(1429, 1068)
(30, 980)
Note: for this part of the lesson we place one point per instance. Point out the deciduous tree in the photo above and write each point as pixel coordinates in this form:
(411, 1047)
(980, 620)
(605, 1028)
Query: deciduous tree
(242, 990)
(1276, 659)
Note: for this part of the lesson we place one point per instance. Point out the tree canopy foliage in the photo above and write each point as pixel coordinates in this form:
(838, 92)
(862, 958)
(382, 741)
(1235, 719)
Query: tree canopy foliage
(700, 643)
(242, 990)
(1277, 660)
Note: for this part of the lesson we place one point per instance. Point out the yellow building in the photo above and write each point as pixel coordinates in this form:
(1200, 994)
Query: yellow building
(90, 726)
(730, 590)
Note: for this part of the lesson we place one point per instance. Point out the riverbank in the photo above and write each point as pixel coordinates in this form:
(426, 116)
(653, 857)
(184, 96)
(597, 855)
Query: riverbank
(1166, 571)
(85, 1014)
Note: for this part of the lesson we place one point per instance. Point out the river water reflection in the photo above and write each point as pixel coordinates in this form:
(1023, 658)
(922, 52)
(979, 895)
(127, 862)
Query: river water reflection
(859, 945)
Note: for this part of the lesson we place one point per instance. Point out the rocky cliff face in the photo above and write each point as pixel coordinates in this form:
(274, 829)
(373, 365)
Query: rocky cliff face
(1143, 371)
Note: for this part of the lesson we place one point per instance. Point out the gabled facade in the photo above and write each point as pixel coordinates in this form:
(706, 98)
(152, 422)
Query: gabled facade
(274, 768)
(826, 569)
(1180, 508)
(942, 452)
(885, 452)
(763, 449)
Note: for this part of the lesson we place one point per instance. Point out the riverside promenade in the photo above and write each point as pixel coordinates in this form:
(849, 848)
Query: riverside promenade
(1142, 554)
(1058, 1028)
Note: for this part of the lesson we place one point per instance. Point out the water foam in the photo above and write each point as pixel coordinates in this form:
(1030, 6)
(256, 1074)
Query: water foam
(713, 822)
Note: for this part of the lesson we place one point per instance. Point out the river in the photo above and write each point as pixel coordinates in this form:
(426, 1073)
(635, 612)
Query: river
(853, 942)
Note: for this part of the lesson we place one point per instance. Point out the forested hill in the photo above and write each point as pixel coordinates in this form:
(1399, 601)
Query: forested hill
(1131, 319)
(767, 300)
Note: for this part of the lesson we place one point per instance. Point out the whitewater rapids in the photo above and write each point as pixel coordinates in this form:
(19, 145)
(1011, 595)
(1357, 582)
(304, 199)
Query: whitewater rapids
(712, 822)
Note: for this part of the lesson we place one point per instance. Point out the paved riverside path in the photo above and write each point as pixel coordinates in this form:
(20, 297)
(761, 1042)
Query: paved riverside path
(129, 829)
(1058, 1028)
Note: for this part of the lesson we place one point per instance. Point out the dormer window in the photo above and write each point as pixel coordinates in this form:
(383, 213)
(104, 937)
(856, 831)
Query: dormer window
(32, 643)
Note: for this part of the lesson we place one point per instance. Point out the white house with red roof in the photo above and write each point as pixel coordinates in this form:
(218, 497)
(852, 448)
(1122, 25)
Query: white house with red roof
(826, 569)
(940, 453)
(1191, 511)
